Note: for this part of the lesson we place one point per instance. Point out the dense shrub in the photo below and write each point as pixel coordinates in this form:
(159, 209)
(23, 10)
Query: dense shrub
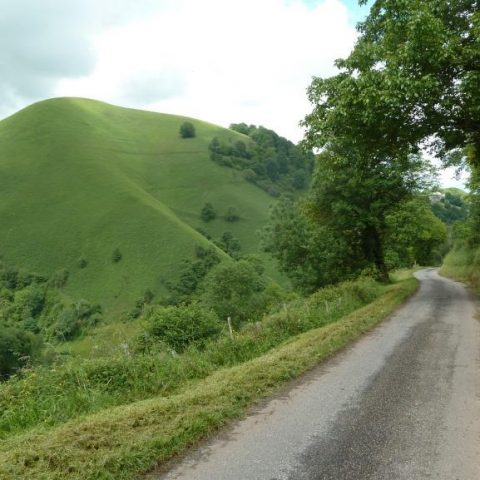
(229, 244)
(82, 262)
(30, 301)
(187, 130)
(71, 320)
(184, 325)
(192, 272)
(234, 290)
(16, 349)
(116, 255)
(208, 213)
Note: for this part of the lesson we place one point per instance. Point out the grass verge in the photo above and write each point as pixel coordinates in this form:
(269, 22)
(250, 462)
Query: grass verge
(122, 442)
(462, 264)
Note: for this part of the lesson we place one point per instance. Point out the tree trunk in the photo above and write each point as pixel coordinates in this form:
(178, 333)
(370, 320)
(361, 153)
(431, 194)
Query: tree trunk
(374, 251)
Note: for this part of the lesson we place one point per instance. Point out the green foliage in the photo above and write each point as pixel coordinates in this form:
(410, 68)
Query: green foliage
(82, 262)
(312, 257)
(463, 263)
(184, 325)
(229, 244)
(396, 89)
(415, 235)
(234, 290)
(452, 208)
(411, 81)
(348, 225)
(187, 130)
(116, 255)
(31, 311)
(17, 347)
(208, 213)
(269, 161)
(71, 320)
(148, 296)
(54, 395)
(192, 272)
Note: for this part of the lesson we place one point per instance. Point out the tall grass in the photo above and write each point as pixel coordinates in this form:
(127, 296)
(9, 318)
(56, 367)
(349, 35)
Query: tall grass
(48, 396)
(463, 263)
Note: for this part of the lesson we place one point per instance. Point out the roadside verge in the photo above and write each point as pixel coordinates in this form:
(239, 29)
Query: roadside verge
(124, 441)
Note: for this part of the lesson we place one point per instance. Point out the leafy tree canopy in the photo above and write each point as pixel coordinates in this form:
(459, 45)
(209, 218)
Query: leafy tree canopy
(413, 77)
(269, 161)
(411, 82)
(414, 235)
(208, 212)
(187, 130)
(234, 290)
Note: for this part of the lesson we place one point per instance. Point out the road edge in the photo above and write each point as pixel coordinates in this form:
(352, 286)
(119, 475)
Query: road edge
(143, 436)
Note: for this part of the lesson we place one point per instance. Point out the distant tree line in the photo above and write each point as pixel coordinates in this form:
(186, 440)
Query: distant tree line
(269, 161)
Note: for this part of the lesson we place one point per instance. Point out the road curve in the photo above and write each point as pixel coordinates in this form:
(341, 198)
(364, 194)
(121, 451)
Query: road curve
(402, 403)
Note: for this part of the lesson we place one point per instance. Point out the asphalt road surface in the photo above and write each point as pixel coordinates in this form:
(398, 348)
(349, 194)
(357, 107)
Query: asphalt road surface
(402, 403)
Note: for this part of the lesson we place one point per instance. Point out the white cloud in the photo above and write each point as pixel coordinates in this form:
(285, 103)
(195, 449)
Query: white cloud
(41, 41)
(220, 61)
(44, 41)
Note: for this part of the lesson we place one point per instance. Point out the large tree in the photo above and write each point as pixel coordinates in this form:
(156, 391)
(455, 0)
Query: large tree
(413, 77)
(412, 81)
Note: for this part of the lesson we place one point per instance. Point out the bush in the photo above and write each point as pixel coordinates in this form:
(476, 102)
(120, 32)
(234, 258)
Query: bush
(184, 325)
(71, 320)
(116, 255)
(208, 212)
(31, 300)
(234, 290)
(187, 130)
(192, 272)
(229, 244)
(82, 262)
(16, 349)
(67, 326)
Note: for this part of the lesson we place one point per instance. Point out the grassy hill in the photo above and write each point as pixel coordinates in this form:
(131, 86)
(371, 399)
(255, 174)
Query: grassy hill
(81, 178)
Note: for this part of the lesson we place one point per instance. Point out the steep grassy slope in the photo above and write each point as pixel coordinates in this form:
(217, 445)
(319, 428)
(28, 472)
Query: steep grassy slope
(80, 178)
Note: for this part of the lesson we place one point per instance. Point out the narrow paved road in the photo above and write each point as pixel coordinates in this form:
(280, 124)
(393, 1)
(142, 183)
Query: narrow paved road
(403, 403)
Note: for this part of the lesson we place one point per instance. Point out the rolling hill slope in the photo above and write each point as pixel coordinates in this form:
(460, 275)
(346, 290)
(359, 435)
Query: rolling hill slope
(81, 178)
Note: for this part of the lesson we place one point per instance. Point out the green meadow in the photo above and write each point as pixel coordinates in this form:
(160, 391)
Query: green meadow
(80, 178)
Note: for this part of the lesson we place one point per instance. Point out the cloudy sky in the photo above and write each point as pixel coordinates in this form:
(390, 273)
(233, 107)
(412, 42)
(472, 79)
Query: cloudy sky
(223, 61)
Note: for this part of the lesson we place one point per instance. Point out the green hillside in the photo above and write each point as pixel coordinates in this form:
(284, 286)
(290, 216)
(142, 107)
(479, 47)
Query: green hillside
(81, 178)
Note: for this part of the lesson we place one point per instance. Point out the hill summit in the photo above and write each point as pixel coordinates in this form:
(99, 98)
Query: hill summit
(113, 196)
